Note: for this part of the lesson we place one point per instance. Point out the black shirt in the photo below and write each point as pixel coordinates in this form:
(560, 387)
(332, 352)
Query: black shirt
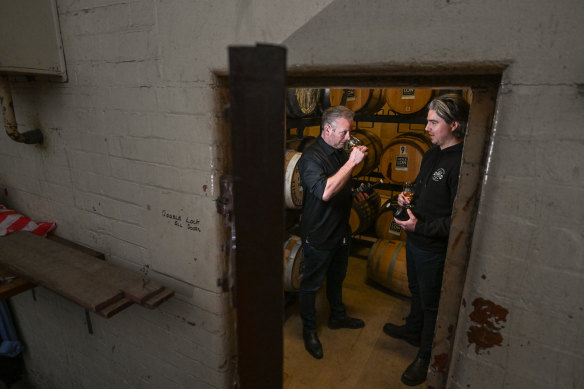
(324, 223)
(436, 187)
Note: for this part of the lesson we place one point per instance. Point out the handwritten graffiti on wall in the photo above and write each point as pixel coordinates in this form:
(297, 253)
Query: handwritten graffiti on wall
(182, 221)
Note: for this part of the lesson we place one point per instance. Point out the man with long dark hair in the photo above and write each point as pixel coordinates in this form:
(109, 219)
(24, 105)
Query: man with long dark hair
(428, 227)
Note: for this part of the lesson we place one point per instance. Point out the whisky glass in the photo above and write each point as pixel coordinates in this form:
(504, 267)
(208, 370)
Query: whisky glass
(352, 143)
(408, 191)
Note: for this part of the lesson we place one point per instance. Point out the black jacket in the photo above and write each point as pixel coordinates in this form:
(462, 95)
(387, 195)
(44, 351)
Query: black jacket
(434, 195)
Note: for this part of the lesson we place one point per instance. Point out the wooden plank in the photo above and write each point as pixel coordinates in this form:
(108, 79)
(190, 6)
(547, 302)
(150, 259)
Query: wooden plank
(157, 299)
(77, 274)
(115, 307)
(76, 246)
(12, 285)
(62, 269)
(59, 268)
(134, 286)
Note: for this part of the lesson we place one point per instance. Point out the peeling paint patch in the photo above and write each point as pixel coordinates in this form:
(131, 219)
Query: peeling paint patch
(487, 316)
(440, 362)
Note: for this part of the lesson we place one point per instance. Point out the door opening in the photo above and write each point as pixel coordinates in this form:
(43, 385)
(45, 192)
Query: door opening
(484, 83)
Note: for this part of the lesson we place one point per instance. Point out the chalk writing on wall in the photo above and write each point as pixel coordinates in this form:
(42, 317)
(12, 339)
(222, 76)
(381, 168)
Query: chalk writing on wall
(182, 221)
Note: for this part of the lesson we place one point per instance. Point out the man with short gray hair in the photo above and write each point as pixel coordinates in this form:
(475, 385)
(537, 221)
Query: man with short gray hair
(326, 171)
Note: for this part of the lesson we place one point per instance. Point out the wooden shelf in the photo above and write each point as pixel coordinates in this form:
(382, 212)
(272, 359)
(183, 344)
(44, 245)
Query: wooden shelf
(12, 285)
(78, 275)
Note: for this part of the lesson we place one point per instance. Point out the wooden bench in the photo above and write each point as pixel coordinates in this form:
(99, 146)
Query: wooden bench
(11, 285)
(76, 273)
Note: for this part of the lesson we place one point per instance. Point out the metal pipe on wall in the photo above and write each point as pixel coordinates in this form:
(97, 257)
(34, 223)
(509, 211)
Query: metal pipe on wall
(30, 137)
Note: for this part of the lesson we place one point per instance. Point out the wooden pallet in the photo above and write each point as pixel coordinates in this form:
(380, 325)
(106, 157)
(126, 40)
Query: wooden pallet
(78, 274)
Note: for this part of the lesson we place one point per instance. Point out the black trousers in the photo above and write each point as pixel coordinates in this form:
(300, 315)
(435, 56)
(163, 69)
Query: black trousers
(425, 270)
(315, 266)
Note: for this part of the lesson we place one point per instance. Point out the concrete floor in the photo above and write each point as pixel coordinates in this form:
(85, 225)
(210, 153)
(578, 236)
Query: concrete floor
(364, 358)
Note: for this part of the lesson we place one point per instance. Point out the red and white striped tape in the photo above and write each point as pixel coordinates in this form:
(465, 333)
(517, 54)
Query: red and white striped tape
(11, 221)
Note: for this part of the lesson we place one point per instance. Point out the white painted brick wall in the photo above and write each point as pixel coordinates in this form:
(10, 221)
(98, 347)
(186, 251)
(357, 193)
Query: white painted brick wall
(127, 139)
(122, 145)
(115, 353)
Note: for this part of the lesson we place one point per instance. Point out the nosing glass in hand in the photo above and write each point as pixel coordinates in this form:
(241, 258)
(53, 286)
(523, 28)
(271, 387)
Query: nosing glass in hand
(408, 191)
(352, 143)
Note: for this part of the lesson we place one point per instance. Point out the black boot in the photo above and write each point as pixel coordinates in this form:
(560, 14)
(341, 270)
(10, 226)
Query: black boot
(347, 322)
(312, 344)
(401, 332)
(416, 373)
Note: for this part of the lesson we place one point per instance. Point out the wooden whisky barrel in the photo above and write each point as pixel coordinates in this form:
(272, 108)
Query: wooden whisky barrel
(386, 265)
(363, 214)
(299, 144)
(467, 95)
(374, 150)
(375, 102)
(401, 158)
(306, 141)
(406, 100)
(301, 102)
(293, 257)
(354, 99)
(385, 226)
(362, 101)
(292, 184)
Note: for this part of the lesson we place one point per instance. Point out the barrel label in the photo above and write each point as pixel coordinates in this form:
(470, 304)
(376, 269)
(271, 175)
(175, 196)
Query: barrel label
(350, 93)
(408, 94)
(401, 162)
(394, 228)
